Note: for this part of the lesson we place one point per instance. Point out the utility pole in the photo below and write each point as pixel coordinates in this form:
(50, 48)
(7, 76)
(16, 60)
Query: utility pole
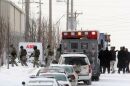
(27, 25)
(49, 47)
(39, 28)
(50, 23)
(67, 14)
(76, 14)
(72, 15)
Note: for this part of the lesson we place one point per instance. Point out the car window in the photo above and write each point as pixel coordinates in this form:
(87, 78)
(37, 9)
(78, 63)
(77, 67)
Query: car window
(40, 81)
(58, 77)
(75, 60)
(69, 69)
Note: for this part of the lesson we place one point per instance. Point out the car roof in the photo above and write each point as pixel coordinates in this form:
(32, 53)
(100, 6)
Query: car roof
(55, 73)
(73, 55)
(61, 65)
(42, 78)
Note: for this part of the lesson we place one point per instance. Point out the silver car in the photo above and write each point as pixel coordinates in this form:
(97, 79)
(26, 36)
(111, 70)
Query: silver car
(73, 77)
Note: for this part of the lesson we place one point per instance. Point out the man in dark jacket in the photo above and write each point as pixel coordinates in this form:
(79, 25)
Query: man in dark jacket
(127, 61)
(106, 56)
(36, 54)
(121, 59)
(101, 58)
(23, 58)
(13, 54)
(112, 59)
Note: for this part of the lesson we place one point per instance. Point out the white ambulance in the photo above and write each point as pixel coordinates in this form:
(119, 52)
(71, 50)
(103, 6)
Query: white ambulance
(29, 48)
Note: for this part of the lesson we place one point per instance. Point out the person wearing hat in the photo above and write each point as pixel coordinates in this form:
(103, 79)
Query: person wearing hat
(35, 54)
(23, 58)
(13, 55)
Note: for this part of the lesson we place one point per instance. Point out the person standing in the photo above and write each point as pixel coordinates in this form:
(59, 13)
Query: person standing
(106, 55)
(23, 54)
(13, 55)
(36, 54)
(101, 58)
(127, 61)
(113, 59)
(121, 60)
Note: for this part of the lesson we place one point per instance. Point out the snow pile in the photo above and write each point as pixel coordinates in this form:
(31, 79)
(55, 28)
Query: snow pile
(15, 75)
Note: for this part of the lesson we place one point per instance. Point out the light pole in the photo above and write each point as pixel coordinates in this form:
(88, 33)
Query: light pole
(58, 29)
(67, 11)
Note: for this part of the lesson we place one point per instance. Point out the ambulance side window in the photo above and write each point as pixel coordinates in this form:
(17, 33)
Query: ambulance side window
(74, 45)
(84, 45)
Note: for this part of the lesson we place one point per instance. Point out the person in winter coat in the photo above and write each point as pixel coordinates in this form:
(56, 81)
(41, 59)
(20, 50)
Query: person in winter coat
(106, 56)
(36, 54)
(101, 58)
(121, 60)
(127, 61)
(113, 59)
(23, 54)
(13, 55)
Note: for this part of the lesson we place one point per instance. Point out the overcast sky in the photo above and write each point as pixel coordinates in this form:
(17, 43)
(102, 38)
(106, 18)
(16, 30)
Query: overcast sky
(110, 16)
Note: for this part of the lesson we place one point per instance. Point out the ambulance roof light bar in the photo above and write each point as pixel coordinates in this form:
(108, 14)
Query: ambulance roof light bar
(80, 34)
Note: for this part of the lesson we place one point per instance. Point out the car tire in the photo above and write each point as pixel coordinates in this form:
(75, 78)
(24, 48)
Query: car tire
(88, 82)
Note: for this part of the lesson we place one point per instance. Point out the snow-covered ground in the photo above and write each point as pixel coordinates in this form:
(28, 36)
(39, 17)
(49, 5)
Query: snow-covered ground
(113, 80)
(15, 75)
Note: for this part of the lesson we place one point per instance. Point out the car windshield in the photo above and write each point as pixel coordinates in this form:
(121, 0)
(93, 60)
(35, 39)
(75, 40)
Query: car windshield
(75, 61)
(68, 69)
(58, 77)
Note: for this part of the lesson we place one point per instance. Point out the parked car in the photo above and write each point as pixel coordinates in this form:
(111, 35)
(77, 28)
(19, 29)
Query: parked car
(81, 65)
(60, 77)
(70, 72)
(40, 81)
(51, 70)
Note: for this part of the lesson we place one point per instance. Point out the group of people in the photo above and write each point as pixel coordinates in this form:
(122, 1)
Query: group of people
(109, 57)
(22, 56)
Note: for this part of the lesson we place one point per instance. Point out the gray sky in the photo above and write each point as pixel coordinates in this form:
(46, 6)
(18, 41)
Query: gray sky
(110, 16)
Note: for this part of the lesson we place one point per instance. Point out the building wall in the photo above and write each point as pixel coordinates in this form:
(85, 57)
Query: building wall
(16, 24)
(14, 19)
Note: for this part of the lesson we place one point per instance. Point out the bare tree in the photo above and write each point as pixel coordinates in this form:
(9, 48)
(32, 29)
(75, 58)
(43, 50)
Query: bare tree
(32, 30)
(3, 29)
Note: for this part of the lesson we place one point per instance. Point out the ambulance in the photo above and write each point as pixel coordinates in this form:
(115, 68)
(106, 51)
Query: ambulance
(86, 42)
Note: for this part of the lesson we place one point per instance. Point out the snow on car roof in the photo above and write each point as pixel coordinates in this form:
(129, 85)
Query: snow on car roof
(61, 65)
(42, 79)
(55, 73)
(75, 55)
